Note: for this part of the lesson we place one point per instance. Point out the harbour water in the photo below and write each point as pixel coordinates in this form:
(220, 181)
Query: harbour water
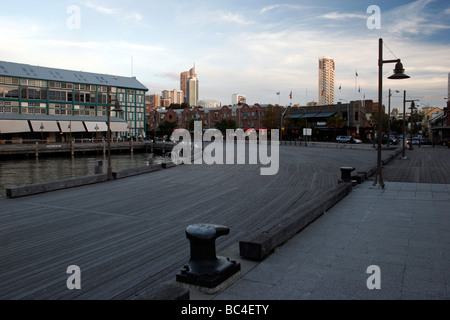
(21, 172)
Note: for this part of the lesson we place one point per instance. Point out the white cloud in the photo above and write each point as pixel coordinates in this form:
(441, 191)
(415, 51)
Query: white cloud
(412, 19)
(282, 6)
(101, 9)
(134, 16)
(235, 18)
(116, 12)
(342, 16)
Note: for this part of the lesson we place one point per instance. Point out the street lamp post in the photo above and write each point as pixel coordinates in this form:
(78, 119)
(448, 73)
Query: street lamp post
(42, 132)
(117, 109)
(389, 113)
(96, 132)
(398, 74)
(404, 123)
(412, 108)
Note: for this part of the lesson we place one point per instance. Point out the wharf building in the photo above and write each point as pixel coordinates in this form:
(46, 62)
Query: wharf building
(245, 116)
(354, 118)
(56, 105)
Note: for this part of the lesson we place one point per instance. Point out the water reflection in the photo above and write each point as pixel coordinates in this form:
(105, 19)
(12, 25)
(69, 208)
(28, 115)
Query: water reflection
(20, 172)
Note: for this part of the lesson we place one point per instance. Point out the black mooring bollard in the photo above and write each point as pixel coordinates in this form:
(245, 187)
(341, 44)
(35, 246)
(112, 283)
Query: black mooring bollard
(346, 174)
(98, 167)
(205, 269)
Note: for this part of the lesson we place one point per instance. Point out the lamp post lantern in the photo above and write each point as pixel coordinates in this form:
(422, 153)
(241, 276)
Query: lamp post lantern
(398, 74)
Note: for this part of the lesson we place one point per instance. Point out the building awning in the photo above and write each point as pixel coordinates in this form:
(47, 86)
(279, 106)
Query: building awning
(14, 126)
(325, 114)
(71, 126)
(96, 126)
(312, 115)
(44, 126)
(119, 127)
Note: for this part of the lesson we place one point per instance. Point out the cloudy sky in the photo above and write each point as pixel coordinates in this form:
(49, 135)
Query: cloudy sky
(252, 47)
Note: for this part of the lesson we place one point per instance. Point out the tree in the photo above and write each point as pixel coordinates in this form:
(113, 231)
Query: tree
(167, 128)
(270, 119)
(335, 122)
(301, 123)
(385, 120)
(397, 125)
(226, 124)
(178, 106)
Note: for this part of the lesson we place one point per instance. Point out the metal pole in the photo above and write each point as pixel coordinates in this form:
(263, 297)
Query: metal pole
(404, 126)
(379, 175)
(108, 111)
(389, 118)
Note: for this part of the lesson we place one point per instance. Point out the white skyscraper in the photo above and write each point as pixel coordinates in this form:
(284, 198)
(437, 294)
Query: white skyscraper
(238, 99)
(189, 85)
(326, 81)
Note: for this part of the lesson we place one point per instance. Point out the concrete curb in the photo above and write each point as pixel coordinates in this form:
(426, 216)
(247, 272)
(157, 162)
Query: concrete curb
(22, 191)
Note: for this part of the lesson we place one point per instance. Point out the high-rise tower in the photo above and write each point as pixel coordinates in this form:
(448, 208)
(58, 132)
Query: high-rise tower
(189, 85)
(326, 81)
(448, 90)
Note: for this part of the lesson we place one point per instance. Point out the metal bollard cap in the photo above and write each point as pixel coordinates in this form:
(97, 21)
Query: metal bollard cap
(206, 231)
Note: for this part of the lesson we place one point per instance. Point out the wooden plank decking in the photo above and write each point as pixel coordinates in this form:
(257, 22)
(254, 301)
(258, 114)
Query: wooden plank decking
(422, 165)
(128, 235)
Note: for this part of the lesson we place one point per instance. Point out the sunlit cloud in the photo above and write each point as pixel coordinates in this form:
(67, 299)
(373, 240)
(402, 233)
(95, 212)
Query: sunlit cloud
(101, 9)
(282, 6)
(343, 16)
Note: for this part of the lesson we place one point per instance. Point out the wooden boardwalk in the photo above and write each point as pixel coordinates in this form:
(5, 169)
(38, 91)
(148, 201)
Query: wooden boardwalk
(129, 235)
(422, 165)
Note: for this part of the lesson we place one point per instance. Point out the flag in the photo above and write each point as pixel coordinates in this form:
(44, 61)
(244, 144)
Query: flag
(290, 95)
(359, 90)
(323, 92)
(278, 93)
(357, 74)
(340, 87)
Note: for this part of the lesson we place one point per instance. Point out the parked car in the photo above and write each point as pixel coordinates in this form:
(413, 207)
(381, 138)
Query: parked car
(343, 139)
(392, 140)
(444, 141)
(425, 141)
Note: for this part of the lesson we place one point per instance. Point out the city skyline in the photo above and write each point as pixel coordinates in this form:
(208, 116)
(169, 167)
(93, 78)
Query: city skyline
(258, 48)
